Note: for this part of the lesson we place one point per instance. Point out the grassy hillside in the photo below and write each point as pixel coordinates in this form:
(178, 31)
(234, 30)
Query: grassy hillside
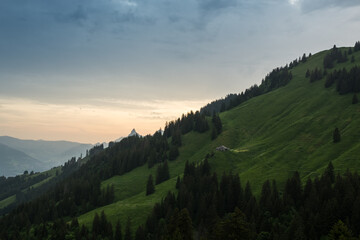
(271, 136)
(50, 174)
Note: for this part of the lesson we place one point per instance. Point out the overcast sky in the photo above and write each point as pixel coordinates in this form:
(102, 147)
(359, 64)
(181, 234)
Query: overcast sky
(91, 70)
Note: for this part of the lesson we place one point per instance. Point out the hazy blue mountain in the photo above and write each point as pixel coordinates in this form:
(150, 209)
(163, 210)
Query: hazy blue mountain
(49, 153)
(14, 162)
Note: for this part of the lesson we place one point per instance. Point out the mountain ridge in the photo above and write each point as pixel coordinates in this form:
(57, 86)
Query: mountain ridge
(49, 153)
(14, 162)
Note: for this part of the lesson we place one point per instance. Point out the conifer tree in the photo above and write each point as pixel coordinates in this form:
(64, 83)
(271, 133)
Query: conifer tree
(178, 182)
(150, 188)
(96, 228)
(127, 235)
(223, 107)
(303, 59)
(217, 122)
(357, 46)
(340, 231)
(185, 224)
(176, 138)
(84, 233)
(173, 152)
(140, 234)
(151, 158)
(118, 234)
(329, 173)
(233, 227)
(336, 136)
(162, 173)
(248, 192)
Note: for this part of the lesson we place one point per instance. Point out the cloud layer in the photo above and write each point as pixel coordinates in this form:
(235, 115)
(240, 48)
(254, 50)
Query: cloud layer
(311, 5)
(70, 52)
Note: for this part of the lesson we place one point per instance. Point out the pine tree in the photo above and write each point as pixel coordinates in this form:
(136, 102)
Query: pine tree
(84, 233)
(118, 234)
(74, 223)
(151, 158)
(233, 227)
(340, 231)
(336, 136)
(150, 188)
(177, 183)
(357, 46)
(162, 173)
(248, 192)
(185, 224)
(173, 153)
(223, 107)
(303, 59)
(140, 234)
(293, 191)
(96, 226)
(329, 173)
(217, 122)
(176, 138)
(127, 235)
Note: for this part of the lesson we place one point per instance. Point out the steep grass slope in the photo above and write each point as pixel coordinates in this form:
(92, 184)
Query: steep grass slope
(271, 136)
(52, 173)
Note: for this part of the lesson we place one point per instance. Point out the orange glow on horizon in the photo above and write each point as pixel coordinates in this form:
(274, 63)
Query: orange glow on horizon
(103, 120)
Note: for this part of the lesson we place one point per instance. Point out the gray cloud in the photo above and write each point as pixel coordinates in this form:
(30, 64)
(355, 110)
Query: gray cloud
(79, 14)
(67, 49)
(312, 5)
(216, 5)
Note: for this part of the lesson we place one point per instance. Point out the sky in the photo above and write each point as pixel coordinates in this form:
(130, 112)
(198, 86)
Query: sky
(92, 70)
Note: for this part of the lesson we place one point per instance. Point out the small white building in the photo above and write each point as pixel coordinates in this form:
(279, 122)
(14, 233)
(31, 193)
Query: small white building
(222, 148)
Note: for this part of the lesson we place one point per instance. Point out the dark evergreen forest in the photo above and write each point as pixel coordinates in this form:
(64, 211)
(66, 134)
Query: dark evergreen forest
(209, 207)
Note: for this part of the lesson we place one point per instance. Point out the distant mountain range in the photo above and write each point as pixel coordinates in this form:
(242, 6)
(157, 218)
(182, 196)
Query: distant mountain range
(14, 162)
(17, 155)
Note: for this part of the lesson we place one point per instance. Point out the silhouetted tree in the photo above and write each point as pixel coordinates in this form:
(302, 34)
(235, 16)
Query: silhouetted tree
(140, 234)
(357, 46)
(173, 153)
(233, 227)
(340, 231)
(118, 234)
(162, 173)
(336, 136)
(303, 59)
(150, 188)
(127, 235)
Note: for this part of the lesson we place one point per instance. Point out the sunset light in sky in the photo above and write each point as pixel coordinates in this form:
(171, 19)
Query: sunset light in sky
(90, 70)
(86, 123)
